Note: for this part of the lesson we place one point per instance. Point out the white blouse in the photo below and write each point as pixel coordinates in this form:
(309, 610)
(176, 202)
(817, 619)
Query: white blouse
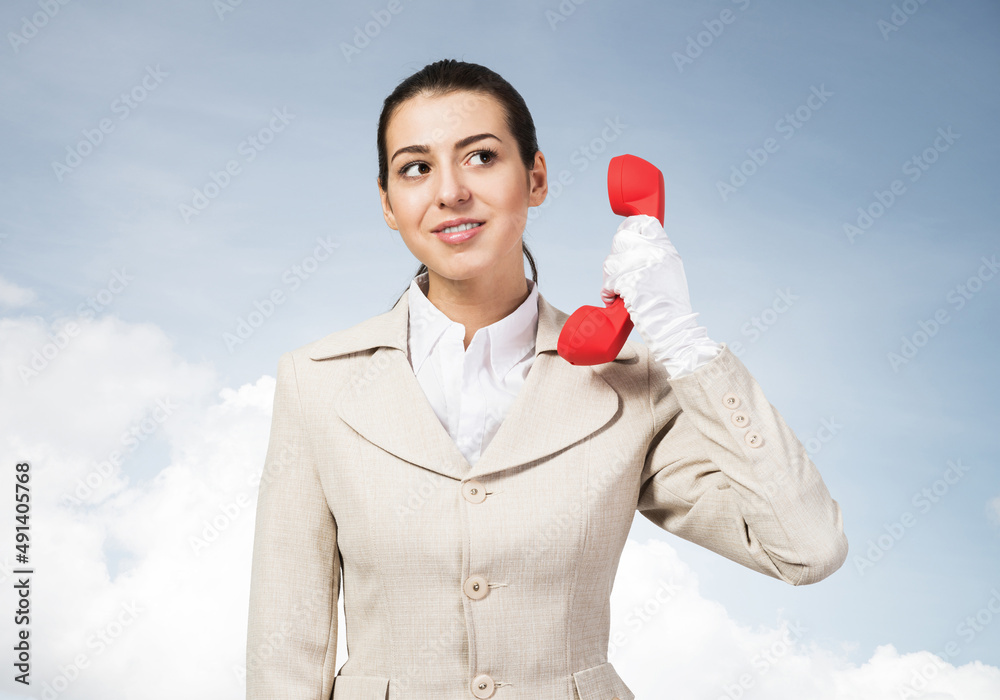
(472, 389)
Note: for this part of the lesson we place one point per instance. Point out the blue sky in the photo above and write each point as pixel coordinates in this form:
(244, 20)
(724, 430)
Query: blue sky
(834, 100)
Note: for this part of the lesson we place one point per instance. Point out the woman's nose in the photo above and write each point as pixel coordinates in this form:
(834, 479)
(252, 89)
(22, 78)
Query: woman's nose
(451, 186)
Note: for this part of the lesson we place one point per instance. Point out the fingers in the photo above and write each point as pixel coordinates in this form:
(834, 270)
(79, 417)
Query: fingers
(640, 232)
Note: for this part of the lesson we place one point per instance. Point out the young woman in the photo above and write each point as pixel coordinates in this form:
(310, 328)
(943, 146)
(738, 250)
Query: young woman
(471, 489)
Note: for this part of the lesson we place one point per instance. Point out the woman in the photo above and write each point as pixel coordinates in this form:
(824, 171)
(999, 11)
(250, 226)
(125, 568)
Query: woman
(474, 510)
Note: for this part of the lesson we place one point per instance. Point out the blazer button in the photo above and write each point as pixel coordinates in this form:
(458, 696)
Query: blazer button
(473, 491)
(740, 419)
(476, 588)
(482, 686)
(753, 439)
(731, 401)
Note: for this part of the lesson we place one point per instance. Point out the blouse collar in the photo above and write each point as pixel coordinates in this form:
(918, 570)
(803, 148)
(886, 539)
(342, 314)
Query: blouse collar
(510, 339)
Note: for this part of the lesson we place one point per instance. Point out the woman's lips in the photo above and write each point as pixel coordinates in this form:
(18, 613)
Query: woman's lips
(459, 236)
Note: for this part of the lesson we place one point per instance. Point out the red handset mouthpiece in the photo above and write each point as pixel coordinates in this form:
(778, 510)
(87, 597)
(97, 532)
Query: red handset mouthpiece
(593, 335)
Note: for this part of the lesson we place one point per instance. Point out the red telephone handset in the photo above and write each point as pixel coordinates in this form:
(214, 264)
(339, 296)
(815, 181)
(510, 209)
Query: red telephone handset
(593, 335)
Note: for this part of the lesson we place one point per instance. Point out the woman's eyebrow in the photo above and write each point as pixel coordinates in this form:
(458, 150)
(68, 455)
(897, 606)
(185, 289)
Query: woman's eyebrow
(458, 145)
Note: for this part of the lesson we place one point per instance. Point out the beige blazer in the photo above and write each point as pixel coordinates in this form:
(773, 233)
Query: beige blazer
(493, 580)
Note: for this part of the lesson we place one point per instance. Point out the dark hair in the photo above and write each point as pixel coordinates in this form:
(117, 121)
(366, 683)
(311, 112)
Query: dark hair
(448, 76)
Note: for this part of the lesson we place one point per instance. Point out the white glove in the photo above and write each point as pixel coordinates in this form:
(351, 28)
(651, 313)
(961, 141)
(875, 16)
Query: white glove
(646, 271)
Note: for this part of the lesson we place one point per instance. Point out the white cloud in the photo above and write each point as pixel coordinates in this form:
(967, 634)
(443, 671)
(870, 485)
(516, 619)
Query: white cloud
(66, 420)
(690, 645)
(122, 564)
(12, 296)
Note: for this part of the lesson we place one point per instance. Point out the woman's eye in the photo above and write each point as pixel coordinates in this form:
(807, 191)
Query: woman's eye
(488, 155)
(406, 169)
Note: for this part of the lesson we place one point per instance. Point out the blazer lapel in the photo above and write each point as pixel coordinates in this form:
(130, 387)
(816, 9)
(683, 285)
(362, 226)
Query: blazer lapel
(558, 405)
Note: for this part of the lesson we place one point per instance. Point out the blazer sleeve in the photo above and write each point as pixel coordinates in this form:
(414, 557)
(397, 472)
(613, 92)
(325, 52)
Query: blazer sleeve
(725, 471)
(295, 573)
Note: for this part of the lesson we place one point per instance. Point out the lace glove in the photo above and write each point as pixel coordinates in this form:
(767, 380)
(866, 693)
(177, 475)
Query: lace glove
(646, 271)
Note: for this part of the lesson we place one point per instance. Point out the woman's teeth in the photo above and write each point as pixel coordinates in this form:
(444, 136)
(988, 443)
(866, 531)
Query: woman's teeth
(463, 227)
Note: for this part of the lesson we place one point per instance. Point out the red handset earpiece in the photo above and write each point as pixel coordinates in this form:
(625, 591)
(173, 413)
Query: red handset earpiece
(593, 335)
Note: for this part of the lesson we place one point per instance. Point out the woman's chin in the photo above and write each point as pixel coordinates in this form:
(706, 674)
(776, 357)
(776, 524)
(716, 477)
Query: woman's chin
(461, 272)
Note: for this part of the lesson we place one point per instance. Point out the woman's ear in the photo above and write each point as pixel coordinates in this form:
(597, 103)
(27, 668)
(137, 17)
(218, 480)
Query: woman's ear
(387, 214)
(538, 183)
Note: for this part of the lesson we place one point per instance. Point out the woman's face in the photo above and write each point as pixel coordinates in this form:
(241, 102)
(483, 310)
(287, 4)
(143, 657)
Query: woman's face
(438, 172)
